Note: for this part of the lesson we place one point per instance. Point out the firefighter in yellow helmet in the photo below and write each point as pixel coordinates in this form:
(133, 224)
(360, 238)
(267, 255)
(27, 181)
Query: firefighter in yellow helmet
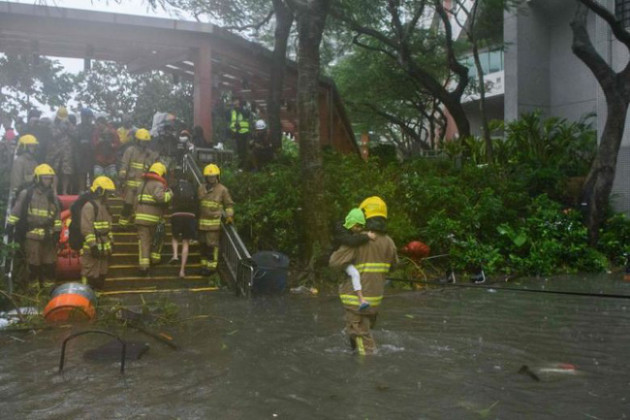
(375, 211)
(214, 198)
(35, 223)
(151, 203)
(134, 164)
(96, 229)
(25, 163)
(373, 260)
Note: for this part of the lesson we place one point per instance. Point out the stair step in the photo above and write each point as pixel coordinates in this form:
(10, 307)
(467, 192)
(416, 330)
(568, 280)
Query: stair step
(125, 270)
(131, 258)
(154, 290)
(155, 283)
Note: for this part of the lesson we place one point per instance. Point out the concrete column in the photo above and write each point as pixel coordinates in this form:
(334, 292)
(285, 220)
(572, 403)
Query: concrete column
(202, 91)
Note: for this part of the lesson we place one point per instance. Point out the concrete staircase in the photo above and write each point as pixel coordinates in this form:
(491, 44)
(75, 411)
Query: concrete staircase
(123, 267)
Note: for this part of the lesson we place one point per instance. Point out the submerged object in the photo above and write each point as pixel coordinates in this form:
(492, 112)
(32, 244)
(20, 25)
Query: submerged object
(270, 274)
(110, 351)
(557, 368)
(71, 301)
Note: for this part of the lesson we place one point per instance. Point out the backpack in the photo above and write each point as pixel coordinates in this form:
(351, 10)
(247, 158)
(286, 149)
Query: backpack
(184, 196)
(75, 238)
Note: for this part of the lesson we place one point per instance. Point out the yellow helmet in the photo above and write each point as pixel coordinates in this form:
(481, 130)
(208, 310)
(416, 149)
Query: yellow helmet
(211, 170)
(104, 183)
(43, 170)
(62, 113)
(374, 206)
(27, 139)
(143, 134)
(158, 168)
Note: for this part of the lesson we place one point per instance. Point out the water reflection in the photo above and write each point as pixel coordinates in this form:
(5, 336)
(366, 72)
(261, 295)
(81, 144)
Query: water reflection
(444, 353)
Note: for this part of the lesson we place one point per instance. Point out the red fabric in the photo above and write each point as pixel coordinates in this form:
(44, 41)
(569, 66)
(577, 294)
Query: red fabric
(155, 177)
(106, 142)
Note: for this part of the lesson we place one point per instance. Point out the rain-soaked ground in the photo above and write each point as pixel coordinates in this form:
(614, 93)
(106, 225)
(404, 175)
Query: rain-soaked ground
(450, 353)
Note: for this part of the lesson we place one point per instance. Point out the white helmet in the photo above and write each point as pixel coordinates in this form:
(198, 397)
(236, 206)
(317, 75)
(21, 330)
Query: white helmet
(260, 125)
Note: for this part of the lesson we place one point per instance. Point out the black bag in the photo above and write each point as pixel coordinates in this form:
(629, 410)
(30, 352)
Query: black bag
(75, 238)
(184, 197)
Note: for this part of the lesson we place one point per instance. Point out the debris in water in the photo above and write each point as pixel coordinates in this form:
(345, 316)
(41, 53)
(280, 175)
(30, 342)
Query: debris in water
(134, 350)
(409, 316)
(525, 370)
(303, 290)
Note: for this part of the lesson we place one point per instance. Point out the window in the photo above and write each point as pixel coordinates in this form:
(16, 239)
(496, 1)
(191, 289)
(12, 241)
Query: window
(622, 12)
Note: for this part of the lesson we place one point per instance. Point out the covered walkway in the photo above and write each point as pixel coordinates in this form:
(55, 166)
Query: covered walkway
(215, 60)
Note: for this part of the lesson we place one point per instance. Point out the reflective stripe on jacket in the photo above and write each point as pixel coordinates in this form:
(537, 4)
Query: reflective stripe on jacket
(211, 203)
(42, 215)
(97, 231)
(151, 202)
(373, 260)
(22, 171)
(134, 163)
(236, 117)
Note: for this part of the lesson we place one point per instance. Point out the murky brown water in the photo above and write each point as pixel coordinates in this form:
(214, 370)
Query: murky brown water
(444, 353)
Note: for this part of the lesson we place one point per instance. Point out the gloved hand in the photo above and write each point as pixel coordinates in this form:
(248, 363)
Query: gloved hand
(229, 220)
(94, 251)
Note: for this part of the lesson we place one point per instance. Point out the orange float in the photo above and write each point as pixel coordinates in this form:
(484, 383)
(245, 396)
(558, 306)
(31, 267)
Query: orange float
(71, 302)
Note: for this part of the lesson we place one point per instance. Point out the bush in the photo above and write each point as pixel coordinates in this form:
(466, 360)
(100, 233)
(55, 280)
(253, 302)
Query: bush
(507, 215)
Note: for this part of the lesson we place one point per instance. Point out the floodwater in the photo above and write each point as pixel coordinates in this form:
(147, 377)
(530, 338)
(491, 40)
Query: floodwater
(449, 353)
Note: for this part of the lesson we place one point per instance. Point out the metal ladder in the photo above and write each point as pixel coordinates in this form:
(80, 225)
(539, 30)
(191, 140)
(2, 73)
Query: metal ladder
(235, 264)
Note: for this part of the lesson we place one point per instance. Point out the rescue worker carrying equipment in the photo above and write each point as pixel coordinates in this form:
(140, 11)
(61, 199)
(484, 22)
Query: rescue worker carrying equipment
(24, 164)
(214, 197)
(96, 228)
(134, 164)
(151, 203)
(35, 220)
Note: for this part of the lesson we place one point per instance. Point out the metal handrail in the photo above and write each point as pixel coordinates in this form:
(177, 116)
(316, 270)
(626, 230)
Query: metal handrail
(7, 263)
(234, 258)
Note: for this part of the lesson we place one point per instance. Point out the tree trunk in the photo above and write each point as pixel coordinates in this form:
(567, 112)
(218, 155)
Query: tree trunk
(616, 87)
(599, 181)
(284, 21)
(482, 104)
(311, 19)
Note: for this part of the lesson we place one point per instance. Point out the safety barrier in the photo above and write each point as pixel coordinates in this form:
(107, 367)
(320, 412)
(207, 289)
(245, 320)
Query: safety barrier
(235, 265)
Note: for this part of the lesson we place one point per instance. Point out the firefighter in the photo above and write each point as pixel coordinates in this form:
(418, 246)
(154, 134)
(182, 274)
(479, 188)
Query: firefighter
(35, 216)
(214, 197)
(25, 163)
(96, 228)
(153, 198)
(134, 164)
(373, 260)
(375, 211)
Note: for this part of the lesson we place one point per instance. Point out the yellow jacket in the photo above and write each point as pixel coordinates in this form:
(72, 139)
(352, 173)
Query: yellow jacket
(373, 260)
(42, 216)
(134, 163)
(212, 201)
(97, 231)
(153, 196)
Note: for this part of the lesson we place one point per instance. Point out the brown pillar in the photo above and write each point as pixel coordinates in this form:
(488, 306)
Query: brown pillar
(203, 91)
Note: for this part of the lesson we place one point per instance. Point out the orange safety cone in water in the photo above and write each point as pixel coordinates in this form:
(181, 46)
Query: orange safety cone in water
(71, 302)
